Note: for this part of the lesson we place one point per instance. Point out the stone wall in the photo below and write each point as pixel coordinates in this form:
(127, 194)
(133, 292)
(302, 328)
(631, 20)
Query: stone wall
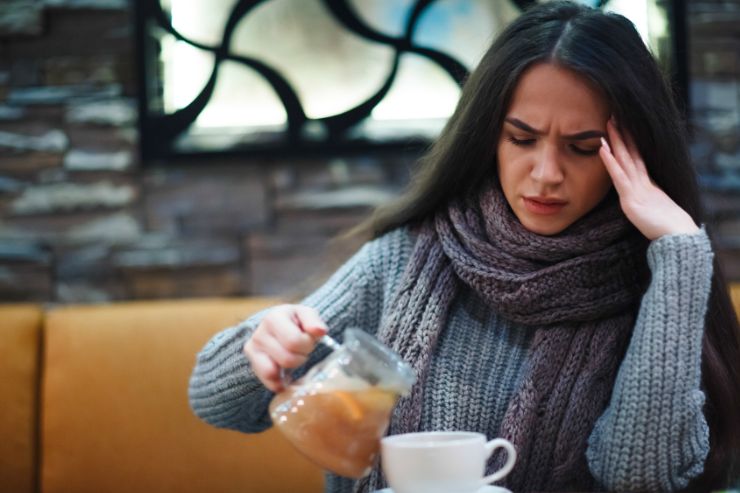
(81, 220)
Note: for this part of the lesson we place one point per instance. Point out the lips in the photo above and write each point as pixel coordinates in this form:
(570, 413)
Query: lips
(544, 205)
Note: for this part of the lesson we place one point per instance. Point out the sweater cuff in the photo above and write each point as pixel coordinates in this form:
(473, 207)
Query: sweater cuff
(686, 250)
(223, 390)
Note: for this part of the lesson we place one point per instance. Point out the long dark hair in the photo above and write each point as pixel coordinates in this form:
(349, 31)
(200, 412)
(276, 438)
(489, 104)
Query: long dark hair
(606, 49)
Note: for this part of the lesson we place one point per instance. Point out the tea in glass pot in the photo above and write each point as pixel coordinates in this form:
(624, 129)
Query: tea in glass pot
(337, 413)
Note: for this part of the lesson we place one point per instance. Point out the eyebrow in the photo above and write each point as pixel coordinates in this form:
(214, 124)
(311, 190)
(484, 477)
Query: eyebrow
(588, 134)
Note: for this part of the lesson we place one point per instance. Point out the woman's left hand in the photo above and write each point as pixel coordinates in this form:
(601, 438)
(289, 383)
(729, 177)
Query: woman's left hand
(648, 207)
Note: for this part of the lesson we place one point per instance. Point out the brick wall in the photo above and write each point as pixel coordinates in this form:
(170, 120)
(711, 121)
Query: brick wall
(81, 220)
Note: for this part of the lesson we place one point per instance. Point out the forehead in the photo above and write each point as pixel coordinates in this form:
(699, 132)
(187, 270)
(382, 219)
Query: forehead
(546, 90)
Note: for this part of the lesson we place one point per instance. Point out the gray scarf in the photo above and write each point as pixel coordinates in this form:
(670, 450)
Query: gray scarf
(577, 290)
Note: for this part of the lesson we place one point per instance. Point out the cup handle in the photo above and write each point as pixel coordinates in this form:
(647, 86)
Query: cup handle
(510, 459)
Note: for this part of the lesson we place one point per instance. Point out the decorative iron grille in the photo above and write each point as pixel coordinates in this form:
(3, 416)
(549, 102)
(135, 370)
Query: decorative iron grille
(186, 107)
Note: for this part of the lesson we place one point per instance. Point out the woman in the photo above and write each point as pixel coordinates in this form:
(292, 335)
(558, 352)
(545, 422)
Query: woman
(546, 276)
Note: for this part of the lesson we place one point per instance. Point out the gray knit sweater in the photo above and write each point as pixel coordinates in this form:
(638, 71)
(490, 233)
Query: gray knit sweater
(653, 435)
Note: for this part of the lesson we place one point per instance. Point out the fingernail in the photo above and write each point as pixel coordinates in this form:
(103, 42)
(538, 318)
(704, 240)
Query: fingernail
(605, 144)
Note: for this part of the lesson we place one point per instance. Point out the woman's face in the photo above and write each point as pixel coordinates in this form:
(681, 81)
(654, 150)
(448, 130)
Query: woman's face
(548, 153)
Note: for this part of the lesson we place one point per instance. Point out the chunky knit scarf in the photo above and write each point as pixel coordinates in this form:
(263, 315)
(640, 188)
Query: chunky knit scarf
(577, 290)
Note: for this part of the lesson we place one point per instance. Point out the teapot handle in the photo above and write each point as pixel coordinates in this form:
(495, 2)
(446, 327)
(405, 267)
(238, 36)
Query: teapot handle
(286, 375)
(329, 341)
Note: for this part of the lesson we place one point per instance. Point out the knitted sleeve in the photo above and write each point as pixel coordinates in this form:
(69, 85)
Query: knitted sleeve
(224, 391)
(653, 436)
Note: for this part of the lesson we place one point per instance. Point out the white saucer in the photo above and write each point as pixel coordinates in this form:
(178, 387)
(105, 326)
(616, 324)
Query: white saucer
(486, 489)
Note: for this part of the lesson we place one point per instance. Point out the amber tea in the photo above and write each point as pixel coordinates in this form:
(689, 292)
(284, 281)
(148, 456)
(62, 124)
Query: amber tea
(339, 430)
(337, 413)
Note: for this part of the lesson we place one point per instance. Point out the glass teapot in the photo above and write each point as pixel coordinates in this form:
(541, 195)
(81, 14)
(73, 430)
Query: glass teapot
(337, 413)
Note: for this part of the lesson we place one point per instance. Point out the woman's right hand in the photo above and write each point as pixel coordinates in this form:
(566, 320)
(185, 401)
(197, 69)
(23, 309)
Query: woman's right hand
(283, 339)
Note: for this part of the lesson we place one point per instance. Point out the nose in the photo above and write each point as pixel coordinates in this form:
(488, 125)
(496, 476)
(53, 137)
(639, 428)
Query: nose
(547, 170)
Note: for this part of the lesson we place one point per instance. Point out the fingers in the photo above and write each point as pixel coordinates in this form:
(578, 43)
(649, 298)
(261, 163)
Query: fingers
(619, 149)
(635, 155)
(285, 326)
(280, 354)
(283, 339)
(618, 176)
(626, 154)
(266, 370)
(310, 321)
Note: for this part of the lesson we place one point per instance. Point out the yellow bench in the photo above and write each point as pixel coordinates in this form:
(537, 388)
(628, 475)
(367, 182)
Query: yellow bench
(94, 399)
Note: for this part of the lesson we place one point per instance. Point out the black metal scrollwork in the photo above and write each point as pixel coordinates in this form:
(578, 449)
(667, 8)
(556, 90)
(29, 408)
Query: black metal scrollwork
(159, 130)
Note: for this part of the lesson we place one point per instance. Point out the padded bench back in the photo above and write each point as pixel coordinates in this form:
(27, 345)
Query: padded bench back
(20, 333)
(116, 416)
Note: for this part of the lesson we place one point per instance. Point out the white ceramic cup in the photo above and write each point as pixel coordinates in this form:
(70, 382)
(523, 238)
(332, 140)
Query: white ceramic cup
(441, 461)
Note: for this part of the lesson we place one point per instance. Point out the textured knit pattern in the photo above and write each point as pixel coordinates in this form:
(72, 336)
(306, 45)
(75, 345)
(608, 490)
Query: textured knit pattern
(577, 291)
(489, 353)
(654, 435)
(485, 382)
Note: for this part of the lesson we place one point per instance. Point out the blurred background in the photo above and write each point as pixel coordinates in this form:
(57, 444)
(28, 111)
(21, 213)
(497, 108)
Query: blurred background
(191, 148)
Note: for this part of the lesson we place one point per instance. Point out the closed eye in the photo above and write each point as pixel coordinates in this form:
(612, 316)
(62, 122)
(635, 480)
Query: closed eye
(578, 150)
(584, 152)
(521, 142)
